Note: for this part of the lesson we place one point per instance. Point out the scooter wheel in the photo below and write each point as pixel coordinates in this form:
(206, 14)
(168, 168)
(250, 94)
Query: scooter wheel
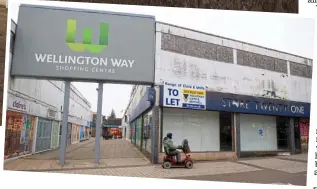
(189, 164)
(167, 165)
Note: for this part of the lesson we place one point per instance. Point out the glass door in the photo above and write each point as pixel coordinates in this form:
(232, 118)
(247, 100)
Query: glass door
(282, 131)
(43, 137)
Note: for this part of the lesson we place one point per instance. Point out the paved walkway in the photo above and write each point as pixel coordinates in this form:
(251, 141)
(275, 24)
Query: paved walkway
(264, 176)
(298, 157)
(113, 153)
(201, 169)
(120, 158)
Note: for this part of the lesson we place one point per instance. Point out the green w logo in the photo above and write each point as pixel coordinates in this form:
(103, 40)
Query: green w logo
(87, 38)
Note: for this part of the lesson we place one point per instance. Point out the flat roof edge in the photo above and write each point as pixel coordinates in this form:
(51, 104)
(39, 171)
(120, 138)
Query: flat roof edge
(210, 34)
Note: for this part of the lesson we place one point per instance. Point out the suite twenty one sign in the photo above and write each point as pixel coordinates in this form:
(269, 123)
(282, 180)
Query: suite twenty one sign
(62, 43)
(256, 105)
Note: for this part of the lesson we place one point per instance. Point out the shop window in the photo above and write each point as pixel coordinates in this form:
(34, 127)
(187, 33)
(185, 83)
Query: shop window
(147, 126)
(226, 128)
(138, 131)
(304, 133)
(258, 133)
(13, 134)
(147, 135)
(200, 128)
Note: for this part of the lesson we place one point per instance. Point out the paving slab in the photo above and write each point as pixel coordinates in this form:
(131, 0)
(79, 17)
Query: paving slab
(277, 164)
(298, 157)
(260, 177)
(210, 168)
(113, 153)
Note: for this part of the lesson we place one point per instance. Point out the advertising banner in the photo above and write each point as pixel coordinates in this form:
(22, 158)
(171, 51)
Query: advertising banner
(179, 95)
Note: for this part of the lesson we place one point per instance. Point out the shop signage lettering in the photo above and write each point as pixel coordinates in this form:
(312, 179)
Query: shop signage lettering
(51, 113)
(264, 106)
(172, 101)
(184, 96)
(297, 109)
(255, 105)
(19, 105)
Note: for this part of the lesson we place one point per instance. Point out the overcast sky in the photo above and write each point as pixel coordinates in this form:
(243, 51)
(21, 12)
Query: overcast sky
(288, 33)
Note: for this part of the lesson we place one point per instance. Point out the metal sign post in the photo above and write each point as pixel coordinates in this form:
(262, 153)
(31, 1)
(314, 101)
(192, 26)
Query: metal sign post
(98, 124)
(155, 136)
(152, 98)
(63, 146)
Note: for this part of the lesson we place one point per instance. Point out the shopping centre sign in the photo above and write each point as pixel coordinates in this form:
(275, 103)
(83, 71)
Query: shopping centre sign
(62, 43)
(180, 95)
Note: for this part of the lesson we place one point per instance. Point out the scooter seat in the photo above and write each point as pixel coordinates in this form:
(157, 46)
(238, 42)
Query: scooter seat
(169, 155)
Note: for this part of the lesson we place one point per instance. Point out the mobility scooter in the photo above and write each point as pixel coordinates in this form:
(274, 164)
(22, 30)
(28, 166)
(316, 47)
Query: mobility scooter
(170, 161)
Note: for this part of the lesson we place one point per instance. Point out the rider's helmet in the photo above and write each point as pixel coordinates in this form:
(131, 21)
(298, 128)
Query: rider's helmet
(169, 135)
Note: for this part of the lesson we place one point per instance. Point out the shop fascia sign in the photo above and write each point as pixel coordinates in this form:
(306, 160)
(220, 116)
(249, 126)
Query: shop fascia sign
(265, 106)
(18, 104)
(51, 113)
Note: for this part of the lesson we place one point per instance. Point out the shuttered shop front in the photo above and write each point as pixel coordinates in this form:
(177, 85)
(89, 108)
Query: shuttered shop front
(200, 128)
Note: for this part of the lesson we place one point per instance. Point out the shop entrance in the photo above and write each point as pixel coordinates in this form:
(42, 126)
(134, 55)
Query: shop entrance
(43, 136)
(225, 119)
(55, 135)
(282, 131)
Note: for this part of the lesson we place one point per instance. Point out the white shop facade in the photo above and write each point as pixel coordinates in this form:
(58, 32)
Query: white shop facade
(31, 127)
(225, 126)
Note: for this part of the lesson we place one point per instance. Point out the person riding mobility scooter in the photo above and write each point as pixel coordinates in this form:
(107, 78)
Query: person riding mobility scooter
(171, 151)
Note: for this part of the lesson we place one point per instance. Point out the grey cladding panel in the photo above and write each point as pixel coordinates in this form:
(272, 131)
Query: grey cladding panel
(281, 65)
(300, 70)
(196, 48)
(224, 54)
(260, 61)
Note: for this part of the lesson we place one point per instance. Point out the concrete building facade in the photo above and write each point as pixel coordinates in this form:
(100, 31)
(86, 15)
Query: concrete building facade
(257, 99)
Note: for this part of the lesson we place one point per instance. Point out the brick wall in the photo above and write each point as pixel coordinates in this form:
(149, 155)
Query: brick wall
(3, 30)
